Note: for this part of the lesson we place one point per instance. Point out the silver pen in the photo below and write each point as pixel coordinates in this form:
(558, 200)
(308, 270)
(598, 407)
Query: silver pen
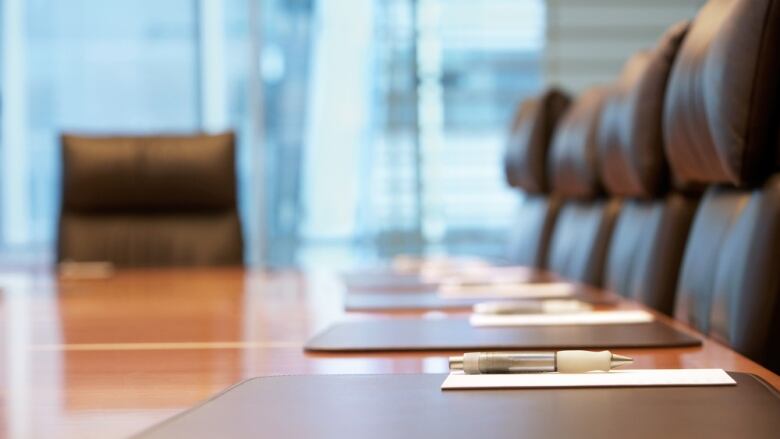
(536, 362)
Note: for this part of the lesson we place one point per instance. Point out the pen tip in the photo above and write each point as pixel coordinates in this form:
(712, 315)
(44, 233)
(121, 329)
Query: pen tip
(620, 360)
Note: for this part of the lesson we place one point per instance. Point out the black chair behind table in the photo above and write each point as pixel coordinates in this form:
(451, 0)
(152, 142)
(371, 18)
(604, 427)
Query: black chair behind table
(525, 168)
(649, 238)
(721, 128)
(150, 201)
(586, 218)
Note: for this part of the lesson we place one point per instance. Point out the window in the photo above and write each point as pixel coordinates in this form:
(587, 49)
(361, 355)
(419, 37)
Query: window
(449, 75)
(372, 122)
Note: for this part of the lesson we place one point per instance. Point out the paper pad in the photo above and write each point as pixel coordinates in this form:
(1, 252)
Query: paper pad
(585, 318)
(509, 290)
(615, 378)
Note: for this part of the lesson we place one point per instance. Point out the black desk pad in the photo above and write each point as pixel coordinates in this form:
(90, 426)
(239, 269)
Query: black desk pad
(456, 334)
(413, 406)
(408, 301)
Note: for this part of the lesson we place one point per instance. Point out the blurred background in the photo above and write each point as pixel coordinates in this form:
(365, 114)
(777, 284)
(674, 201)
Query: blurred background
(366, 128)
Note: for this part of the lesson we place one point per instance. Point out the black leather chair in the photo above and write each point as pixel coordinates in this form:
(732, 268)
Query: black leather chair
(150, 201)
(585, 221)
(525, 168)
(721, 128)
(650, 234)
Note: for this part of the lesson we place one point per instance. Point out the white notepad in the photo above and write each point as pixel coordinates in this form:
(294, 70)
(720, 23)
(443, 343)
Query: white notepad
(615, 378)
(435, 271)
(584, 318)
(513, 307)
(547, 290)
(487, 275)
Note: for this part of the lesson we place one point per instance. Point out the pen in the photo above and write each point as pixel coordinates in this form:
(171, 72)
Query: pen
(536, 362)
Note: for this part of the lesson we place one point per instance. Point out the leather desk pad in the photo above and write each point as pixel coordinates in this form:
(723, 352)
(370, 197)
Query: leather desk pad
(408, 301)
(413, 406)
(456, 334)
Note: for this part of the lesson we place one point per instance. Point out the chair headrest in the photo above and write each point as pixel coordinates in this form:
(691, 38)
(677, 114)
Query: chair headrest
(148, 172)
(573, 163)
(720, 115)
(633, 162)
(525, 158)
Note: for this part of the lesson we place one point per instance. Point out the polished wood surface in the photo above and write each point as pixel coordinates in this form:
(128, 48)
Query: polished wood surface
(106, 358)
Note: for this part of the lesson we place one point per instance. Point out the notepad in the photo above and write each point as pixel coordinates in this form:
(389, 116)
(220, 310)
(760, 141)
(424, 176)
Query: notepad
(488, 275)
(615, 378)
(548, 290)
(435, 271)
(513, 307)
(585, 318)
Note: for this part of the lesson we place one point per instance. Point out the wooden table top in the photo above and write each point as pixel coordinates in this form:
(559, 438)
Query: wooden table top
(108, 358)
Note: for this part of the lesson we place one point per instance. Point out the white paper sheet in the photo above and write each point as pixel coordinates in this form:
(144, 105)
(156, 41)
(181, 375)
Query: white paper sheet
(585, 318)
(508, 290)
(486, 275)
(513, 307)
(615, 378)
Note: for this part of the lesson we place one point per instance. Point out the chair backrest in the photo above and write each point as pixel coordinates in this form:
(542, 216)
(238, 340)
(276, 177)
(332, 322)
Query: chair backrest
(525, 166)
(584, 225)
(650, 234)
(150, 201)
(525, 157)
(720, 128)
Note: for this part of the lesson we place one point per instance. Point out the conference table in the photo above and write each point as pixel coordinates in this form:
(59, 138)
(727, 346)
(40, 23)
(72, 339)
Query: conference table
(110, 357)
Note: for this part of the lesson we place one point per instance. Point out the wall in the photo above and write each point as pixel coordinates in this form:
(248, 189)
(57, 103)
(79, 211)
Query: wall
(588, 41)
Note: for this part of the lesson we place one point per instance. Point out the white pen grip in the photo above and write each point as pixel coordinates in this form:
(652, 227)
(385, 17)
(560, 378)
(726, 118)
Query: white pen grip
(582, 361)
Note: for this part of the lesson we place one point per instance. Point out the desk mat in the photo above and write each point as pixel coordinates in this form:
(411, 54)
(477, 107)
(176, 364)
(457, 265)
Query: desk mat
(431, 300)
(456, 334)
(413, 406)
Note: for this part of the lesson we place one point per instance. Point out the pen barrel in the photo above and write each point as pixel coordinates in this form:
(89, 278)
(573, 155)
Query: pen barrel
(511, 362)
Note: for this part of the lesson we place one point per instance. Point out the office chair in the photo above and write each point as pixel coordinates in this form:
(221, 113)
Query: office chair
(138, 201)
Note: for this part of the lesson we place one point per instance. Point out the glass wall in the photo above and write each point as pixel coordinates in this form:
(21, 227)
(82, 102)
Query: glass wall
(448, 77)
(371, 125)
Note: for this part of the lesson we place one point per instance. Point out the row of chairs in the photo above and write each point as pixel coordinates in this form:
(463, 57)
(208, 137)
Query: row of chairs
(664, 187)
